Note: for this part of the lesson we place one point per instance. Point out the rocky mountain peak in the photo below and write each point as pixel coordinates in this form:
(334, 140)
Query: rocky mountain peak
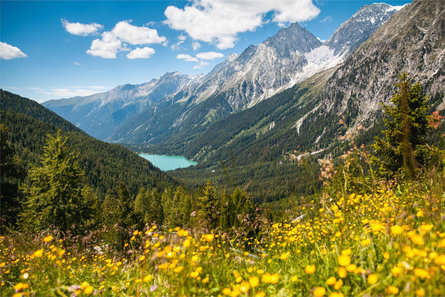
(360, 27)
(293, 38)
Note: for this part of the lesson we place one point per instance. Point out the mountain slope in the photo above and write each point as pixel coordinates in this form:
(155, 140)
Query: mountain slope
(100, 114)
(307, 119)
(244, 80)
(413, 41)
(105, 165)
(360, 27)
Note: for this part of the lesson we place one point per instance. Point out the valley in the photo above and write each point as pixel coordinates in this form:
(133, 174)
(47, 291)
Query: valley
(294, 167)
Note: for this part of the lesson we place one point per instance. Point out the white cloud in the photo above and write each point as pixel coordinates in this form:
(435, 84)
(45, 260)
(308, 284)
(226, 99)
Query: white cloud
(112, 42)
(200, 58)
(177, 45)
(107, 47)
(67, 92)
(187, 58)
(136, 35)
(221, 20)
(141, 53)
(77, 63)
(196, 45)
(81, 29)
(8, 52)
(327, 19)
(209, 55)
(201, 64)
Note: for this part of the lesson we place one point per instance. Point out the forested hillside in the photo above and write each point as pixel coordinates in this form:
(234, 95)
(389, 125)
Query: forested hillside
(106, 165)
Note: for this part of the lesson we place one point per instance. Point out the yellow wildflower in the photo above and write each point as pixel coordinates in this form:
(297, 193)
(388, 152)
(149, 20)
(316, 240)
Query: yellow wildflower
(47, 238)
(244, 287)
(392, 290)
(344, 260)
(226, 291)
(396, 230)
(319, 291)
(365, 242)
(254, 281)
(420, 292)
(88, 290)
(309, 269)
(421, 273)
(372, 279)
(440, 260)
(38, 253)
(331, 281)
(342, 272)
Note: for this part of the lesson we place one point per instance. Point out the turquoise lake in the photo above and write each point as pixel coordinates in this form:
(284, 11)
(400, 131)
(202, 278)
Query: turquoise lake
(166, 163)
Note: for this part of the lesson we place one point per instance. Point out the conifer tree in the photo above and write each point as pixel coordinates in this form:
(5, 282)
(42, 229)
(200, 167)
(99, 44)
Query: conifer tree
(11, 174)
(57, 196)
(404, 147)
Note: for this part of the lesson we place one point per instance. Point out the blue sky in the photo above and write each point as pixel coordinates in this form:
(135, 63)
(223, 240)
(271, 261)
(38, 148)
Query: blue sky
(57, 49)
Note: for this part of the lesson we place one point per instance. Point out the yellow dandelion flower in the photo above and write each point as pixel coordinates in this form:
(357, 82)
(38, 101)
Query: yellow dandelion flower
(331, 281)
(386, 255)
(274, 278)
(419, 213)
(392, 290)
(310, 269)
(440, 260)
(342, 272)
(260, 294)
(319, 291)
(38, 253)
(346, 252)
(88, 290)
(284, 256)
(417, 239)
(336, 294)
(148, 278)
(244, 287)
(420, 292)
(365, 242)
(372, 279)
(338, 284)
(226, 291)
(47, 238)
(421, 273)
(344, 260)
(396, 230)
(20, 287)
(209, 237)
(396, 271)
(254, 281)
(205, 280)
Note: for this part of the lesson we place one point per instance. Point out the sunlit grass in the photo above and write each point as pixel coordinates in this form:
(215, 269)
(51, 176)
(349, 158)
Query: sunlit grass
(390, 242)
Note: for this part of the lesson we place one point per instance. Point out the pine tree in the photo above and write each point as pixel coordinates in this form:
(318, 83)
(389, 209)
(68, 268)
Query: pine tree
(404, 147)
(57, 196)
(11, 174)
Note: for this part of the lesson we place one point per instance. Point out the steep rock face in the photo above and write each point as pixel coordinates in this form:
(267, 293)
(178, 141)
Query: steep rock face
(412, 41)
(100, 114)
(261, 70)
(288, 57)
(359, 27)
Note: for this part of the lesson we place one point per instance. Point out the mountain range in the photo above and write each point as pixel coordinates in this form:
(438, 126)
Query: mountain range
(176, 107)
